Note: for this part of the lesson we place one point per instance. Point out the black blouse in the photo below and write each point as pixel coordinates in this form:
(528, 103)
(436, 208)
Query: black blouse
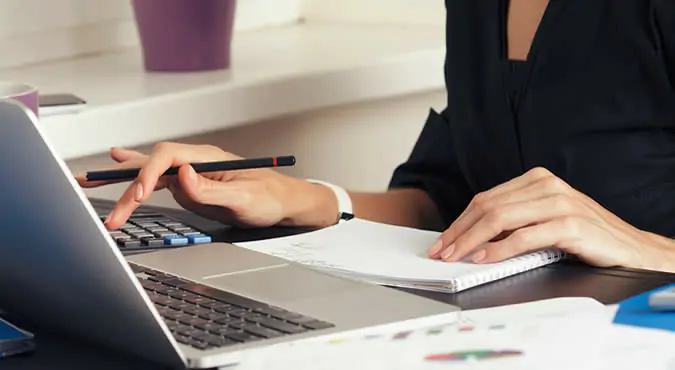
(594, 103)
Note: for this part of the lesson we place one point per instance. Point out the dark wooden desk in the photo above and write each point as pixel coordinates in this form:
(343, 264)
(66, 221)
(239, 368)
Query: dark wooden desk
(564, 279)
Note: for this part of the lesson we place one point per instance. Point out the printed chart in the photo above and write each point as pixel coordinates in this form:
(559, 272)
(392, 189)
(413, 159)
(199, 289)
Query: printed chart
(476, 355)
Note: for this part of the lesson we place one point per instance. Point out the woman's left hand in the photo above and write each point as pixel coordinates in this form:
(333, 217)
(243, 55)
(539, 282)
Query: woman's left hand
(538, 210)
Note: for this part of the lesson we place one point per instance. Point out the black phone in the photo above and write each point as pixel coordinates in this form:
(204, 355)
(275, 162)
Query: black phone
(60, 103)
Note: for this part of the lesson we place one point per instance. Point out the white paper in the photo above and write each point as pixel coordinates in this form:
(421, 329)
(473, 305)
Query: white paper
(627, 347)
(366, 248)
(523, 327)
(526, 344)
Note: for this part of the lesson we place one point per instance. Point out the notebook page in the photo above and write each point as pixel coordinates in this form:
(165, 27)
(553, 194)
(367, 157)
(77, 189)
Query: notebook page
(370, 248)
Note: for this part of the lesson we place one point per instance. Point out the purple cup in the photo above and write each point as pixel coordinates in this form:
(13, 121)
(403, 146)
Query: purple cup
(23, 93)
(185, 35)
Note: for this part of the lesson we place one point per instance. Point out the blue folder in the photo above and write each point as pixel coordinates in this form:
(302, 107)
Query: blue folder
(13, 340)
(635, 311)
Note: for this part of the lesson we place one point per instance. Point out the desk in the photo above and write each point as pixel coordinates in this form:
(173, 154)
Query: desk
(567, 278)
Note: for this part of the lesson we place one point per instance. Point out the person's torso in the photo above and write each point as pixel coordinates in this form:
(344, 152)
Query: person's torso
(594, 103)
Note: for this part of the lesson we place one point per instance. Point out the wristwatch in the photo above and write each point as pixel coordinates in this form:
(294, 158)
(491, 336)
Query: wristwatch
(344, 201)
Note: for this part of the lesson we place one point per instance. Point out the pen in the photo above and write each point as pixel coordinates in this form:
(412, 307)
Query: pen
(238, 164)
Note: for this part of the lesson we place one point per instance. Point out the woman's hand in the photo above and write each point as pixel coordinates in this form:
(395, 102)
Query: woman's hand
(538, 210)
(256, 197)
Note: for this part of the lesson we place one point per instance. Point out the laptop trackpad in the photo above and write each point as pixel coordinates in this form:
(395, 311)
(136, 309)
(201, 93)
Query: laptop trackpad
(283, 284)
(207, 260)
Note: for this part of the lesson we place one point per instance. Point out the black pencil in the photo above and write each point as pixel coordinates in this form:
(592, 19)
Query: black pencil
(238, 164)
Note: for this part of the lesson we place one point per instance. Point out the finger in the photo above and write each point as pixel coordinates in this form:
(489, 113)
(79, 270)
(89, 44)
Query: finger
(509, 192)
(206, 191)
(549, 234)
(123, 155)
(124, 207)
(508, 218)
(82, 178)
(166, 155)
(127, 204)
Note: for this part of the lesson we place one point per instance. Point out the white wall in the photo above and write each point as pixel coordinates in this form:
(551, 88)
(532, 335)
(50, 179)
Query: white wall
(356, 146)
(33, 31)
(400, 12)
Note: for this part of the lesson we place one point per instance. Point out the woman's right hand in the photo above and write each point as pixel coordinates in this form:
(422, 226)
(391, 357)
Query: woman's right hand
(252, 198)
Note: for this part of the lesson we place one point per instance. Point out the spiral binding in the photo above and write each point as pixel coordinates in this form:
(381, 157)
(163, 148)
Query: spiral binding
(508, 268)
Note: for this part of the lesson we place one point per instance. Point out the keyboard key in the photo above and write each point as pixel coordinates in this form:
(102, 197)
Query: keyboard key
(183, 330)
(171, 224)
(318, 325)
(198, 344)
(157, 228)
(283, 314)
(129, 243)
(282, 326)
(182, 339)
(138, 268)
(151, 241)
(178, 229)
(175, 240)
(134, 231)
(199, 239)
(146, 225)
(212, 315)
(243, 337)
(262, 331)
(256, 317)
(229, 320)
(222, 330)
(200, 335)
(190, 232)
(239, 312)
(140, 214)
(217, 341)
(141, 234)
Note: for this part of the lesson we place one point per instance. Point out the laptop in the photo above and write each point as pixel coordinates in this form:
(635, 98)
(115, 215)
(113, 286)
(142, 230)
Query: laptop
(200, 306)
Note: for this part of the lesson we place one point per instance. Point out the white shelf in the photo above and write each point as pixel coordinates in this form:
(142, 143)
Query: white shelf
(276, 71)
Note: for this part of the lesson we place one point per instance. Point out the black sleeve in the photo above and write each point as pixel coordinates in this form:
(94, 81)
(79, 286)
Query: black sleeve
(432, 167)
(664, 14)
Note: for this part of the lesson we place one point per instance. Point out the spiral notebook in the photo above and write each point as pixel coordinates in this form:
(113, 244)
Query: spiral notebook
(392, 255)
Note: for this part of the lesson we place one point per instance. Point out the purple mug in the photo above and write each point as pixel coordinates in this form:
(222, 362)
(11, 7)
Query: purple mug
(23, 93)
(185, 35)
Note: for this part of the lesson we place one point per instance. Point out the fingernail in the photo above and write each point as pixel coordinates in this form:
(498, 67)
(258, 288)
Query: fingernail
(447, 253)
(192, 173)
(138, 194)
(107, 219)
(479, 256)
(436, 248)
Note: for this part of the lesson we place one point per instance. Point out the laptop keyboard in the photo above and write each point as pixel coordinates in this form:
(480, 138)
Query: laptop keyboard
(152, 230)
(205, 318)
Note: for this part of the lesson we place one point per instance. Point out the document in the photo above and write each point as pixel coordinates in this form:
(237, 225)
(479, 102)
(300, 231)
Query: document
(517, 336)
